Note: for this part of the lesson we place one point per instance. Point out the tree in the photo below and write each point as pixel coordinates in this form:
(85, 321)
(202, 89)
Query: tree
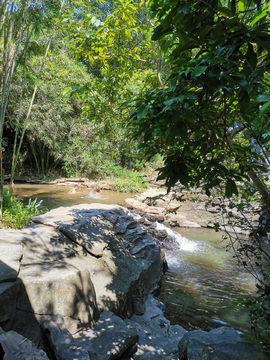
(211, 119)
(114, 42)
(19, 20)
(216, 95)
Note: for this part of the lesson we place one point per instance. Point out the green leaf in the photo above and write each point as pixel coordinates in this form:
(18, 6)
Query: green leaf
(230, 188)
(251, 57)
(241, 6)
(245, 85)
(199, 70)
(160, 32)
(133, 112)
(259, 17)
(244, 99)
(142, 111)
(183, 131)
(262, 98)
(264, 108)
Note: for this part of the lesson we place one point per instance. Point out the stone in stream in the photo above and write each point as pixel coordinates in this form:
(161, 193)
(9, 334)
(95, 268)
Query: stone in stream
(223, 343)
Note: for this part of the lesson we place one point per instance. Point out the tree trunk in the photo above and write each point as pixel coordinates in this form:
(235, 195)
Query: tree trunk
(43, 159)
(260, 187)
(48, 161)
(34, 154)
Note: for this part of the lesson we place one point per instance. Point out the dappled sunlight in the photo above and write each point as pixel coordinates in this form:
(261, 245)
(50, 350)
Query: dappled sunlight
(77, 261)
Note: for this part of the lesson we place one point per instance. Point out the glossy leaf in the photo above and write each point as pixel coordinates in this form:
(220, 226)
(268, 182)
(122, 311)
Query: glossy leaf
(231, 188)
(142, 111)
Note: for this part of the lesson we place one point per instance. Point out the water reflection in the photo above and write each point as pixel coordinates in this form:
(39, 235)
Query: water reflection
(54, 196)
(202, 282)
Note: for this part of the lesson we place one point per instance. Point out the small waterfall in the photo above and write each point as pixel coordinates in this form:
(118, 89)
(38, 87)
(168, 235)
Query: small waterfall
(185, 244)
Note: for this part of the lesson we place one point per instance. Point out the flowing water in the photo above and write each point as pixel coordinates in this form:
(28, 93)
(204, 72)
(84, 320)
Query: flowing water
(203, 280)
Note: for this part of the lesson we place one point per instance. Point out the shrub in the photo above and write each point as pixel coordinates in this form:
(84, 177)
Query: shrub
(16, 214)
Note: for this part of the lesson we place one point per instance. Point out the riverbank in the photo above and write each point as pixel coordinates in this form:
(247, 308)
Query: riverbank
(122, 180)
(75, 263)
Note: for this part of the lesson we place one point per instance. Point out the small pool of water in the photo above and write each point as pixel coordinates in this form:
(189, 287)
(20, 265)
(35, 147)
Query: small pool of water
(203, 281)
(54, 196)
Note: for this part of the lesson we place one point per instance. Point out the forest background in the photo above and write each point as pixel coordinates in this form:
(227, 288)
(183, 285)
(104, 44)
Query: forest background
(100, 88)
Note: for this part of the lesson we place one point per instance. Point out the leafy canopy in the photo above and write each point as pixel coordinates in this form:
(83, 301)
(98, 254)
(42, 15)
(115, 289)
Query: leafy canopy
(216, 96)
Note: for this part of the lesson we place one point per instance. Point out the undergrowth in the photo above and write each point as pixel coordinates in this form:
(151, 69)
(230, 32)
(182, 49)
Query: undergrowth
(16, 214)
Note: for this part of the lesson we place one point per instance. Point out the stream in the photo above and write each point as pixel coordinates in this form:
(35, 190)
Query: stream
(202, 282)
(203, 278)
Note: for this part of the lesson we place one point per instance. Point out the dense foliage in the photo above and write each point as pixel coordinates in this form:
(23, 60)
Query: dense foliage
(218, 89)
(75, 123)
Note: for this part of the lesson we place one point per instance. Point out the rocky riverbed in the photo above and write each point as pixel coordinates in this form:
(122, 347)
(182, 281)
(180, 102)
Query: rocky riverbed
(76, 284)
(189, 210)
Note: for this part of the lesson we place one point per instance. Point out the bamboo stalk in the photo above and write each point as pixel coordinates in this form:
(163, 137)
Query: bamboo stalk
(34, 95)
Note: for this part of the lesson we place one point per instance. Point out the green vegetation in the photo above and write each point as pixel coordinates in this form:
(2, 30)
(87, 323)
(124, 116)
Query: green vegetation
(98, 89)
(16, 214)
(127, 181)
(211, 119)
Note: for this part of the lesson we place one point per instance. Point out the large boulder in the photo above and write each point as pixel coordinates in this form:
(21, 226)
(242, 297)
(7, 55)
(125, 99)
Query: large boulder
(181, 221)
(73, 263)
(223, 343)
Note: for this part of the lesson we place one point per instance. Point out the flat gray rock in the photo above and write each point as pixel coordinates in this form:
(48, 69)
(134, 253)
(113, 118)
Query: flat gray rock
(46, 244)
(108, 339)
(17, 347)
(12, 236)
(10, 256)
(60, 288)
